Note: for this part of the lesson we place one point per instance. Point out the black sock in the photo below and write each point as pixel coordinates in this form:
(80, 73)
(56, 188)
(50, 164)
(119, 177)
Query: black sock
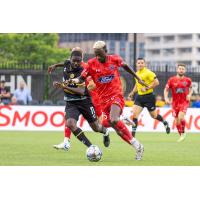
(134, 128)
(81, 137)
(160, 118)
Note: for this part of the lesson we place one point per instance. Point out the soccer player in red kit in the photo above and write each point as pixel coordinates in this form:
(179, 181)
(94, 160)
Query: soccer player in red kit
(181, 88)
(104, 70)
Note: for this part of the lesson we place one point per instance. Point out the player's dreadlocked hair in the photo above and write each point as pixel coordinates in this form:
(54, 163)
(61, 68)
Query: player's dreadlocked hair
(77, 51)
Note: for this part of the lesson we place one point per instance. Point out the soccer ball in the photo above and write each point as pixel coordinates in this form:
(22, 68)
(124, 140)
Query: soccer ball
(94, 153)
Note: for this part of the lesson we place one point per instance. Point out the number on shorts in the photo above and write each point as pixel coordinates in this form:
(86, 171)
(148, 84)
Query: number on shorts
(93, 112)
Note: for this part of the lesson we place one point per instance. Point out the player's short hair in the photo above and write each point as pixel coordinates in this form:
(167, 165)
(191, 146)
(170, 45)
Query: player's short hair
(100, 45)
(77, 51)
(181, 64)
(140, 58)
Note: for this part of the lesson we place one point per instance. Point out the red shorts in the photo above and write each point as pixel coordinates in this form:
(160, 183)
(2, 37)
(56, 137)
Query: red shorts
(97, 105)
(179, 108)
(119, 100)
(98, 110)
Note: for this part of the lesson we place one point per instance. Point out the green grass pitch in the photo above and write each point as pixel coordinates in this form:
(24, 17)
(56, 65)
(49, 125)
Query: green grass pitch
(35, 149)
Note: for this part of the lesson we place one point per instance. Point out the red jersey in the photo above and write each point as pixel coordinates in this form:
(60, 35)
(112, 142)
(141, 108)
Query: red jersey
(105, 76)
(180, 89)
(93, 92)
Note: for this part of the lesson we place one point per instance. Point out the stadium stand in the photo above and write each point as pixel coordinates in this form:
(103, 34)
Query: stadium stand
(48, 102)
(34, 102)
(61, 103)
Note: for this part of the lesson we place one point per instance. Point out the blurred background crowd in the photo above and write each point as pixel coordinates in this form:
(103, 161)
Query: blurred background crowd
(22, 96)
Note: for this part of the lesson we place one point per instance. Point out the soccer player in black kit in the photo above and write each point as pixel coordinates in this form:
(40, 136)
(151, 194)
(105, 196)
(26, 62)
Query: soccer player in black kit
(78, 100)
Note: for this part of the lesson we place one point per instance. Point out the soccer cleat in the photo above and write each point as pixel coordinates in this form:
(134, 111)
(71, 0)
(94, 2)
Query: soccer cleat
(128, 122)
(139, 152)
(63, 145)
(106, 139)
(166, 127)
(182, 137)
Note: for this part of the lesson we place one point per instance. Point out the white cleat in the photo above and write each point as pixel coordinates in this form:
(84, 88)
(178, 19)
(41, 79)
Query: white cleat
(139, 152)
(182, 137)
(128, 121)
(64, 146)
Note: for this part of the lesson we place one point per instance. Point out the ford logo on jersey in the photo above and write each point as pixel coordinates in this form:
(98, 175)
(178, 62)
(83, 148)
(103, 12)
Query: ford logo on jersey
(180, 90)
(111, 67)
(106, 79)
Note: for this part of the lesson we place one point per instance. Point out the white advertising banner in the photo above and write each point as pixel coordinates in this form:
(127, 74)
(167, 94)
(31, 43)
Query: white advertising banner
(51, 118)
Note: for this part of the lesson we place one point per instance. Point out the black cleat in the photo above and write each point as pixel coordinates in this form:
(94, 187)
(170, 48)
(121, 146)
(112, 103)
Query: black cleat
(167, 127)
(106, 139)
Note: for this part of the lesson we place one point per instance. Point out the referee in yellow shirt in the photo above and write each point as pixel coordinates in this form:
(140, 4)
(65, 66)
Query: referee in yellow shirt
(145, 97)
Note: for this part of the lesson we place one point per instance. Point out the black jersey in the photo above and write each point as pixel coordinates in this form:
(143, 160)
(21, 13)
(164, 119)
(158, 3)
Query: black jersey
(68, 73)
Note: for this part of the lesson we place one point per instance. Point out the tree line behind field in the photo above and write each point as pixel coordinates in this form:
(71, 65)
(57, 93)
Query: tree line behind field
(24, 49)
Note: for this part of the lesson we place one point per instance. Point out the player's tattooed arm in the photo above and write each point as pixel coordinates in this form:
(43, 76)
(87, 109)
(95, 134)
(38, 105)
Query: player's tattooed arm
(53, 67)
(129, 70)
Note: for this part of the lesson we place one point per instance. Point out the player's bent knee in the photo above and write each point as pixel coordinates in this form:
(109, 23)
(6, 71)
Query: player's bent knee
(95, 129)
(71, 124)
(179, 120)
(154, 116)
(114, 121)
(95, 126)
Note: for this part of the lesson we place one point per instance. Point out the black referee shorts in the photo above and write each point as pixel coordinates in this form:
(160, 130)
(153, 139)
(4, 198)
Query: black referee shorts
(74, 109)
(147, 100)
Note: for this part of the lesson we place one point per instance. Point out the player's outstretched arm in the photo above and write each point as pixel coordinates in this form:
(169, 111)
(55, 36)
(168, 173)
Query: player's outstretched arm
(129, 70)
(166, 94)
(91, 85)
(53, 67)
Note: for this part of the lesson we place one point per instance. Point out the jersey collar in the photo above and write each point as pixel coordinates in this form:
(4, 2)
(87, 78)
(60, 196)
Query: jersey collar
(143, 69)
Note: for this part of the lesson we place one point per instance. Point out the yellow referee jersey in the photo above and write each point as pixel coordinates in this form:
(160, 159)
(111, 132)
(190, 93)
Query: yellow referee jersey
(148, 77)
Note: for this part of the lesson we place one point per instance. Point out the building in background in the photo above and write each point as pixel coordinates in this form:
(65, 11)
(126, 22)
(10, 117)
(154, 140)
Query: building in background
(163, 49)
(117, 43)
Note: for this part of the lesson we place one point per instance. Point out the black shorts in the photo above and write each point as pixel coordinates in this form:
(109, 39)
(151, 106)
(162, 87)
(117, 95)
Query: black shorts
(147, 100)
(85, 107)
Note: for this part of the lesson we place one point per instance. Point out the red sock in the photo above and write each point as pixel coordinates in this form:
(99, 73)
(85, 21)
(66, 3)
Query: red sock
(105, 123)
(183, 125)
(125, 133)
(179, 128)
(67, 132)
